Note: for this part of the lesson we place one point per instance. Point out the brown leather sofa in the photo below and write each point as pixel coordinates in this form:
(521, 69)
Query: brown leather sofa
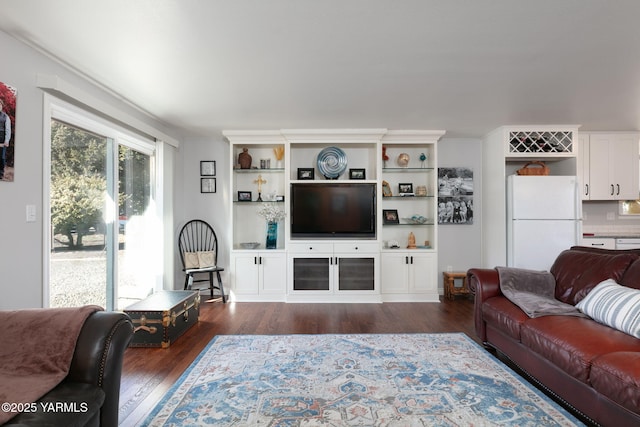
(91, 391)
(591, 368)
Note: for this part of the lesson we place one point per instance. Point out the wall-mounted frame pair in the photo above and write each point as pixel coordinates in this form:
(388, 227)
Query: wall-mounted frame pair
(207, 185)
(207, 168)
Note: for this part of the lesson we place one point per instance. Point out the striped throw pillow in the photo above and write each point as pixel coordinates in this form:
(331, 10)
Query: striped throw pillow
(614, 305)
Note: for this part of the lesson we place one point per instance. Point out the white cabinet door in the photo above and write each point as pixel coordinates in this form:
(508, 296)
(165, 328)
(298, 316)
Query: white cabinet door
(422, 278)
(624, 167)
(273, 268)
(395, 273)
(246, 274)
(613, 166)
(601, 185)
(583, 166)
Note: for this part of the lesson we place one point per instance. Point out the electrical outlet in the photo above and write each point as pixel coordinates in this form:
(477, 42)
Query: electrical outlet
(611, 216)
(449, 269)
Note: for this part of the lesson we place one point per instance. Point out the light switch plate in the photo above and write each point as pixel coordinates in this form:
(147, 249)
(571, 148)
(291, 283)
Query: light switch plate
(31, 213)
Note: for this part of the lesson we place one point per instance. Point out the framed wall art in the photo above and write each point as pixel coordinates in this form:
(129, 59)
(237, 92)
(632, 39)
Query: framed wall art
(7, 131)
(455, 195)
(207, 168)
(207, 185)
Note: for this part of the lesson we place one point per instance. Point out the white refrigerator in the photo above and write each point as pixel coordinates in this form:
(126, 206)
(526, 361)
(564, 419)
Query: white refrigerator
(544, 217)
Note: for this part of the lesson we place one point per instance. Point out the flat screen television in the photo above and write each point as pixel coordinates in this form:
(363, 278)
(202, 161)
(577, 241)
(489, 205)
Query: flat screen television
(333, 210)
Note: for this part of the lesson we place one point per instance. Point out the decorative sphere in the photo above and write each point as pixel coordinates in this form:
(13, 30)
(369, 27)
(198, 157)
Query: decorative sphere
(403, 159)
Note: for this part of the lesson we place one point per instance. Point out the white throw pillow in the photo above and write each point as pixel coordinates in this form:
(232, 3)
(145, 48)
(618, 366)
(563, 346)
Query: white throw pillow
(206, 259)
(614, 305)
(191, 260)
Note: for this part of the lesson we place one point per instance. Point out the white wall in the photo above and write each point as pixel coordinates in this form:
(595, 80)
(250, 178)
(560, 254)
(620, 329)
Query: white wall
(21, 255)
(459, 246)
(211, 207)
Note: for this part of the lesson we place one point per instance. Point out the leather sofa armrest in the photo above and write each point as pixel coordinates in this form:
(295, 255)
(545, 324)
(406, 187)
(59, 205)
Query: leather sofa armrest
(98, 357)
(485, 284)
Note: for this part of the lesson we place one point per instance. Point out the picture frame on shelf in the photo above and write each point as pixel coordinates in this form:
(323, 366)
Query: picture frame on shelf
(207, 185)
(390, 216)
(207, 168)
(357, 174)
(406, 189)
(244, 196)
(306, 173)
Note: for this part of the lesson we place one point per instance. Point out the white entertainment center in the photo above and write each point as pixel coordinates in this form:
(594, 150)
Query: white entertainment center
(339, 247)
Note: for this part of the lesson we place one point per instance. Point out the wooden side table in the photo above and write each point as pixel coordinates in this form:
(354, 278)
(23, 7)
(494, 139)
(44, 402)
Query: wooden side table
(450, 288)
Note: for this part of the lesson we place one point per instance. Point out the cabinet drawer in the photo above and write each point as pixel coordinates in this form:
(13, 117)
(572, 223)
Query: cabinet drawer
(360, 247)
(602, 242)
(311, 247)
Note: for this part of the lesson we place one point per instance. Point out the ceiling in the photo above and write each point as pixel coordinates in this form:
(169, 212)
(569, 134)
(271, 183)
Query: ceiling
(463, 66)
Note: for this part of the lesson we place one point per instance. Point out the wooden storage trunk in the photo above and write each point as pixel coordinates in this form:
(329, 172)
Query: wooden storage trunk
(162, 317)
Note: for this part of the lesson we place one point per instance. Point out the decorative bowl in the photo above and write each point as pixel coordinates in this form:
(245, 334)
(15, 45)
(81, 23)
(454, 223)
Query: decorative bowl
(249, 245)
(403, 160)
(416, 219)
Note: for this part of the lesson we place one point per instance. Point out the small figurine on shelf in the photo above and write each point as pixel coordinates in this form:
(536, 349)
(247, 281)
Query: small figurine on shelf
(423, 158)
(385, 157)
(259, 181)
(244, 159)
(403, 160)
(412, 241)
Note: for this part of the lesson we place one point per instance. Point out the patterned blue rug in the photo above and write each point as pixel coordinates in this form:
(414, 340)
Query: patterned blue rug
(352, 380)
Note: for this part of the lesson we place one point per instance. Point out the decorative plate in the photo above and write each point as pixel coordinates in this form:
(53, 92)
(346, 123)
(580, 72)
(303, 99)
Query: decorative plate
(332, 162)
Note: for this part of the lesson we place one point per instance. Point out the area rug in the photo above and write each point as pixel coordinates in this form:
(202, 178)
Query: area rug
(352, 380)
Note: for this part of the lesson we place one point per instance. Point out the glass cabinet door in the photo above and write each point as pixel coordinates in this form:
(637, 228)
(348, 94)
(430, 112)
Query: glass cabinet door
(356, 274)
(311, 274)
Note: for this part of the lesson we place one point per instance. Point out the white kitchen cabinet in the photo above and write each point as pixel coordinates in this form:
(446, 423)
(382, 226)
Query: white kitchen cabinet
(599, 242)
(409, 276)
(259, 275)
(612, 166)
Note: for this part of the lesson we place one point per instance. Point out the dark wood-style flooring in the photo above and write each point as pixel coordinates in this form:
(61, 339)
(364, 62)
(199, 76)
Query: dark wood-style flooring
(149, 372)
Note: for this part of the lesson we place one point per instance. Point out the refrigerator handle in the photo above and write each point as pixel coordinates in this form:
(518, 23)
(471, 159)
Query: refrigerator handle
(578, 204)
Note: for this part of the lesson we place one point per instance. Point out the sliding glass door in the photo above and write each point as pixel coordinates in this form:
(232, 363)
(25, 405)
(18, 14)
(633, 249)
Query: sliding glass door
(103, 216)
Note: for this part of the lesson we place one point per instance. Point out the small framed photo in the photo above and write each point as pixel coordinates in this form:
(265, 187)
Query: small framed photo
(390, 216)
(306, 173)
(207, 185)
(279, 198)
(357, 174)
(406, 189)
(207, 168)
(244, 196)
